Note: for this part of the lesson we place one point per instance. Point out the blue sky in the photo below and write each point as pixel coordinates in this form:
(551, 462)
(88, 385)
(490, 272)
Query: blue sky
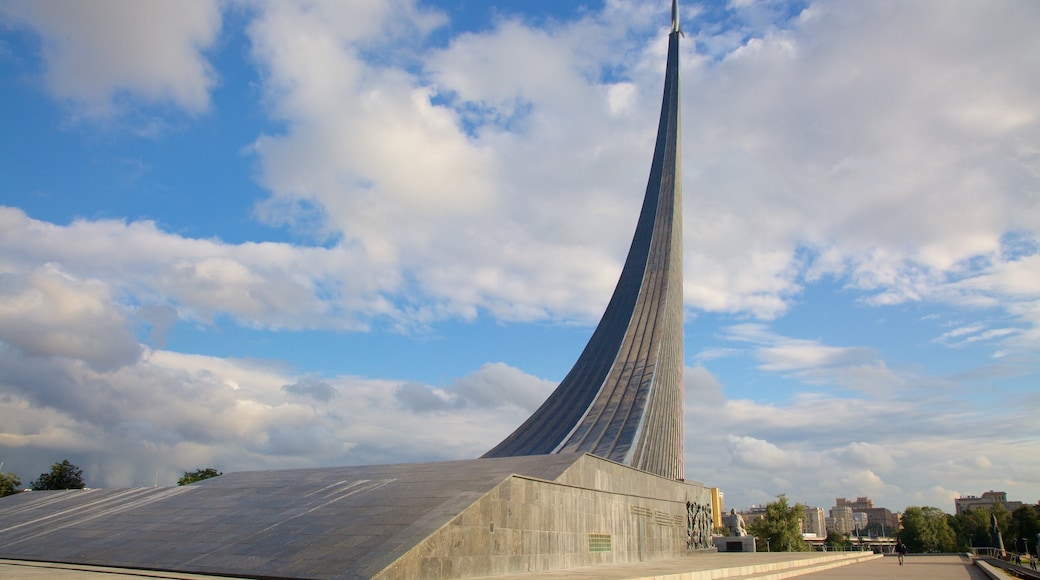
(264, 235)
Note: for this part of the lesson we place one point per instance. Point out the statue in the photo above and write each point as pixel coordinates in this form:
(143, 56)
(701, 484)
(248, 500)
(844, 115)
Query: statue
(998, 539)
(735, 523)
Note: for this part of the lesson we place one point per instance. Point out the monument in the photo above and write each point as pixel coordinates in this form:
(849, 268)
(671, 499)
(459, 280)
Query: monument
(623, 399)
(594, 476)
(737, 539)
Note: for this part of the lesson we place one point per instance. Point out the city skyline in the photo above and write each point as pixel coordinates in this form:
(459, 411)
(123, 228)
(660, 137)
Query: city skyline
(253, 236)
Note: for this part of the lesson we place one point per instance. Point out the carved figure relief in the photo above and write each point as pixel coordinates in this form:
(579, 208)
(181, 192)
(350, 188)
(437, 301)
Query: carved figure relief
(698, 525)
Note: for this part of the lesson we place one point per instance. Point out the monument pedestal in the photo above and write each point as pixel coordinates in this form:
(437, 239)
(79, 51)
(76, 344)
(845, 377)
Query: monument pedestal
(734, 543)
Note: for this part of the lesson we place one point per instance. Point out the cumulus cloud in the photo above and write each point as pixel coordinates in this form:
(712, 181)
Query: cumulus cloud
(494, 386)
(169, 412)
(47, 312)
(438, 173)
(909, 161)
(312, 389)
(498, 384)
(422, 398)
(759, 454)
(868, 455)
(97, 54)
(265, 285)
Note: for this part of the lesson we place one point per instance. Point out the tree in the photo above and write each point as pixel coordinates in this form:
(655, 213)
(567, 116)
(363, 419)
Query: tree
(198, 475)
(1025, 525)
(63, 475)
(780, 529)
(927, 529)
(972, 528)
(837, 541)
(9, 483)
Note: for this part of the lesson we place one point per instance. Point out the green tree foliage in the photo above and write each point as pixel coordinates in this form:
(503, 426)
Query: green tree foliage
(198, 475)
(781, 528)
(974, 527)
(927, 529)
(9, 483)
(1024, 525)
(63, 475)
(837, 541)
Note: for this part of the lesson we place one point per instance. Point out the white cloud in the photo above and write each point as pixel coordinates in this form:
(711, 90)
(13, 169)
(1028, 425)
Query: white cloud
(311, 388)
(264, 285)
(97, 53)
(47, 312)
(866, 483)
(860, 152)
(454, 179)
(890, 448)
(758, 454)
(869, 455)
(171, 412)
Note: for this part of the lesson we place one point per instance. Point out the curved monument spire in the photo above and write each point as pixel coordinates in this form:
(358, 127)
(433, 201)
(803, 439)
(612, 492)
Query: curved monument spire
(623, 399)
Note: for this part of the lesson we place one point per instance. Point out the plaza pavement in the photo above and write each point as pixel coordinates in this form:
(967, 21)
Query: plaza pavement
(761, 566)
(775, 566)
(944, 567)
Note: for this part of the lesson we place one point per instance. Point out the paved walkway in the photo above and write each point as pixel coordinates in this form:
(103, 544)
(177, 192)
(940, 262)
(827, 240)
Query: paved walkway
(916, 568)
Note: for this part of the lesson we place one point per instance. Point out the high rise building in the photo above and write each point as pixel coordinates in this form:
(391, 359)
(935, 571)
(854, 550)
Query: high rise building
(623, 399)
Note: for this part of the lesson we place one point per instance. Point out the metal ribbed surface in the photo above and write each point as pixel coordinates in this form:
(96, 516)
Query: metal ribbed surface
(623, 399)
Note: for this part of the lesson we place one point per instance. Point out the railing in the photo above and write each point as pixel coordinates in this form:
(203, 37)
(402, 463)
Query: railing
(1020, 570)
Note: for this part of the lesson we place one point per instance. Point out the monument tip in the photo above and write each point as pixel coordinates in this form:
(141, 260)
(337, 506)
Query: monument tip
(675, 18)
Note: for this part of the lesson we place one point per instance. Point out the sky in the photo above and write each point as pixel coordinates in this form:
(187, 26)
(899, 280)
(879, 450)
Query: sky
(251, 235)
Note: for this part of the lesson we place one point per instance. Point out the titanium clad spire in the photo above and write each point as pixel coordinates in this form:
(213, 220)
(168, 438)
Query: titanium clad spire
(623, 399)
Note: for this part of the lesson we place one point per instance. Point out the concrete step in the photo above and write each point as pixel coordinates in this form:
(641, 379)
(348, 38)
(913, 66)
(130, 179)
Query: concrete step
(708, 566)
(781, 570)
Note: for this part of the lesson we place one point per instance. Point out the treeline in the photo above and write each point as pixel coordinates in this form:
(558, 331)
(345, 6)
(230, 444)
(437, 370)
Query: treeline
(65, 475)
(929, 529)
(923, 529)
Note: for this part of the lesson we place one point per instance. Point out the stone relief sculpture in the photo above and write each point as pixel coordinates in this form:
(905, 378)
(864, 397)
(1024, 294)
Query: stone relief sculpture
(698, 525)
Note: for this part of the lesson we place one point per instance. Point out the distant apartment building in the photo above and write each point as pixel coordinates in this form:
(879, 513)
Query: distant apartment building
(840, 520)
(862, 504)
(988, 500)
(879, 520)
(814, 523)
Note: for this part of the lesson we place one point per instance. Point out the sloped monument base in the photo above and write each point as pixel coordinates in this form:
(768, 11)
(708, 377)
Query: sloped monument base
(454, 519)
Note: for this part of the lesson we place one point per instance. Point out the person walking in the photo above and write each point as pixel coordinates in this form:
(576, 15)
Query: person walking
(901, 550)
